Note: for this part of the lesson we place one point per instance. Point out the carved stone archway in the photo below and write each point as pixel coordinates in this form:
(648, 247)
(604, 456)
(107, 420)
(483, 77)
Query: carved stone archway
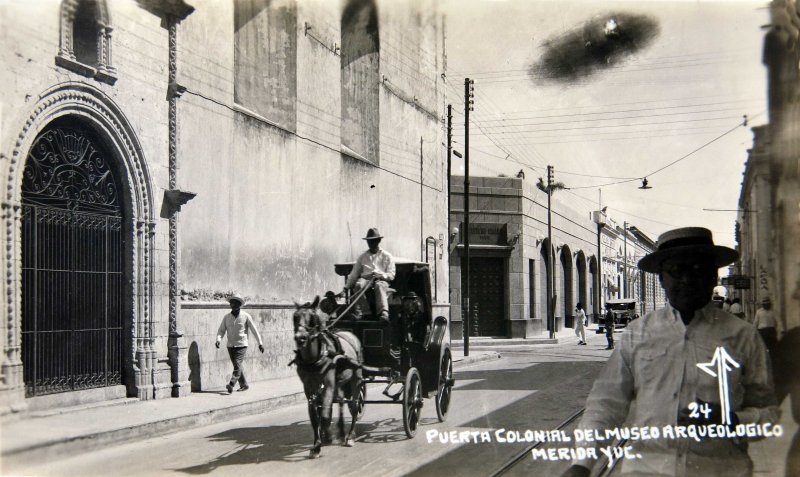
(94, 109)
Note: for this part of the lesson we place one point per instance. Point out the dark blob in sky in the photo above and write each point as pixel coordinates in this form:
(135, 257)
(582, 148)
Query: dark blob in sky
(600, 43)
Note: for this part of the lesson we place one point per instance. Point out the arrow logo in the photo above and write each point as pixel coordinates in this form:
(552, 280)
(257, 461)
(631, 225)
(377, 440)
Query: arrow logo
(718, 368)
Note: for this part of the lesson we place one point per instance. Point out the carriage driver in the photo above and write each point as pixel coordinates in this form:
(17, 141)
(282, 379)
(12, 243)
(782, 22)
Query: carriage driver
(374, 263)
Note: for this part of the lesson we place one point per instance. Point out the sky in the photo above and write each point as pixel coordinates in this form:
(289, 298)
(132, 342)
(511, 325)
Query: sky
(678, 98)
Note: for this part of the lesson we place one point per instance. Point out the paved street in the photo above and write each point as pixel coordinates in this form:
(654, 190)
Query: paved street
(532, 389)
(529, 388)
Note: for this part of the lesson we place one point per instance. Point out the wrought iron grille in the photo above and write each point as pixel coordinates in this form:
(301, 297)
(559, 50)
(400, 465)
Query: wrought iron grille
(72, 269)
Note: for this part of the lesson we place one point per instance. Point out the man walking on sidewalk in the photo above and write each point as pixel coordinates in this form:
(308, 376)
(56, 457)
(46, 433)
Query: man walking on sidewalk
(236, 325)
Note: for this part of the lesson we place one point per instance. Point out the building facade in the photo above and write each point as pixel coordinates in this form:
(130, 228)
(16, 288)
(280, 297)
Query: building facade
(158, 155)
(769, 217)
(509, 266)
(768, 224)
(758, 261)
(623, 247)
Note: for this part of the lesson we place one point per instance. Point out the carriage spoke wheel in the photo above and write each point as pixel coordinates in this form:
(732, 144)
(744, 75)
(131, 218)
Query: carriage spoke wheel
(360, 398)
(445, 387)
(412, 402)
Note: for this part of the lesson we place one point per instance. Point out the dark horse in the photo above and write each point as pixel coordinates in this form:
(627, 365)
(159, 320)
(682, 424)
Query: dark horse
(329, 365)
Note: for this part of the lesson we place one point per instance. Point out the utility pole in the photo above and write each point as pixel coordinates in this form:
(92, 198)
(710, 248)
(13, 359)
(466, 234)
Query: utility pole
(449, 161)
(550, 258)
(625, 262)
(468, 102)
(449, 211)
(548, 189)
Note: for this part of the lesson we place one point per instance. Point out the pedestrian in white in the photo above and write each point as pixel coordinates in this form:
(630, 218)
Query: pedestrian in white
(767, 325)
(236, 325)
(580, 324)
(736, 308)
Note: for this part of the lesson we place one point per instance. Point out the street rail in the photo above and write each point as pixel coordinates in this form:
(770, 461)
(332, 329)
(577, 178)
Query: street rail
(602, 470)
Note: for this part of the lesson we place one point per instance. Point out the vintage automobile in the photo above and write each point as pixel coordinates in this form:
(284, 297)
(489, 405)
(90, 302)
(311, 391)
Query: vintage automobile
(624, 310)
(410, 354)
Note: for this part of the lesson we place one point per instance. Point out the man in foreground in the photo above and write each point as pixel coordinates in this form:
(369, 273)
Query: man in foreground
(653, 378)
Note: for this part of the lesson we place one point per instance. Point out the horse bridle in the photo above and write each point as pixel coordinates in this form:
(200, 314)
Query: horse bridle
(314, 333)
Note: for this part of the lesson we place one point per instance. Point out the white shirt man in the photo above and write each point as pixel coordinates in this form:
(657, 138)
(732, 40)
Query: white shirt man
(377, 264)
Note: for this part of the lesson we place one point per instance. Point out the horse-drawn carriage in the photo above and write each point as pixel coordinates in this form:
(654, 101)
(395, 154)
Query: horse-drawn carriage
(408, 352)
(338, 358)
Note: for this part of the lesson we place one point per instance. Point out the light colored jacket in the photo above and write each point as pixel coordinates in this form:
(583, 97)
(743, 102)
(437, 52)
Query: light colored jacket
(236, 327)
(653, 375)
(369, 263)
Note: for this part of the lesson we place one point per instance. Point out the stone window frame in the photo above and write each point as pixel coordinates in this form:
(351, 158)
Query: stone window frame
(102, 70)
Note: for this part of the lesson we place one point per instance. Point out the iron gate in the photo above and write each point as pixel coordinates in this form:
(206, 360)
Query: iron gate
(72, 268)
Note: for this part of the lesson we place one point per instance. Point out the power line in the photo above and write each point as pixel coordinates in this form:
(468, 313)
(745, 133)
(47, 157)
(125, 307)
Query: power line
(633, 111)
(721, 118)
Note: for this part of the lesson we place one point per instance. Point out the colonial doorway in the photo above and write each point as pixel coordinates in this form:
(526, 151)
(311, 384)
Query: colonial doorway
(487, 295)
(72, 263)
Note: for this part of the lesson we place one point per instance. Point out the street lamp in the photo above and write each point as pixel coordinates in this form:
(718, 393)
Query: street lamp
(599, 217)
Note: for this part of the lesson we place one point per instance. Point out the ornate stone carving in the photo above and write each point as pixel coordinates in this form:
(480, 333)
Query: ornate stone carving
(102, 69)
(87, 102)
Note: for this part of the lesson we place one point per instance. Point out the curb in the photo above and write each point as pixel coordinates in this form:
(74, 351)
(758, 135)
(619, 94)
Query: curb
(55, 449)
(93, 441)
(468, 360)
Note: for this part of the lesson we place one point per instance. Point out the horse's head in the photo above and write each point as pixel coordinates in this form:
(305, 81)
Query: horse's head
(307, 322)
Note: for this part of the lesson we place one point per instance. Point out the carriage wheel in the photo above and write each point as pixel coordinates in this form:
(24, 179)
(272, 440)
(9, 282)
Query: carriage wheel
(445, 387)
(412, 402)
(360, 398)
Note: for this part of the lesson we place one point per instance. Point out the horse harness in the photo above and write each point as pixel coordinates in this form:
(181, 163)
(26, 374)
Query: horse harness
(331, 351)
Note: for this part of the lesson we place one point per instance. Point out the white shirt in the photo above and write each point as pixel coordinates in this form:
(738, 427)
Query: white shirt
(369, 263)
(237, 327)
(653, 374)
(765, 319)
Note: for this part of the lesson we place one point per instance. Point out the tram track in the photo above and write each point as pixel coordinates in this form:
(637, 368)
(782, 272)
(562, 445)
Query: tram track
(602, 469)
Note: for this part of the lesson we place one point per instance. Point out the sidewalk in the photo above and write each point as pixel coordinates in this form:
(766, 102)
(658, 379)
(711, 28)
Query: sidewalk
(57, 433)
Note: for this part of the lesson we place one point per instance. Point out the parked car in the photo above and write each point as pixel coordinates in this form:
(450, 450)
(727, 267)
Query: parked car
(624, 311)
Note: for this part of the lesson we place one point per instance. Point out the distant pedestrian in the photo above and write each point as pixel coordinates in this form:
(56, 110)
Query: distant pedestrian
(236, 325)
(609, 325)
(767, 325)
(727, 305)
(580, 323)
(736, 308)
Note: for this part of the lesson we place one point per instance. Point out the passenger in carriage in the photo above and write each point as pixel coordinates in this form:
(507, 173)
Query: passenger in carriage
(374, 263)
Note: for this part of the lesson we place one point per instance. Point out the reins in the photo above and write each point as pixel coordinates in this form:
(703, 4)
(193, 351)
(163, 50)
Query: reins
(353, 300)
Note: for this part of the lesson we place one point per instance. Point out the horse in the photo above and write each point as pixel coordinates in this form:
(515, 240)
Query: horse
(329, 365)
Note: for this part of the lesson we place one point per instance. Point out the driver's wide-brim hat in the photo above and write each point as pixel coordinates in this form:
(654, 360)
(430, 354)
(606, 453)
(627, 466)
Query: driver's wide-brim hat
(373, 234)
(687, 241)
(236, 297)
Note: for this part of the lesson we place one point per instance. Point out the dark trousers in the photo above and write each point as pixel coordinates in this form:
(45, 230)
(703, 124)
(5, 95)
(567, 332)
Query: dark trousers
(237, 357)
(610, 336)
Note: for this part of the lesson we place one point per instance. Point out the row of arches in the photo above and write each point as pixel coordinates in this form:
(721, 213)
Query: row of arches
(575, 280)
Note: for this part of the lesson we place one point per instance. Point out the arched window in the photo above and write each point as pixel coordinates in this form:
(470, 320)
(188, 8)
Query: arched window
(265, 59)
(85, 39)
(360, 80)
